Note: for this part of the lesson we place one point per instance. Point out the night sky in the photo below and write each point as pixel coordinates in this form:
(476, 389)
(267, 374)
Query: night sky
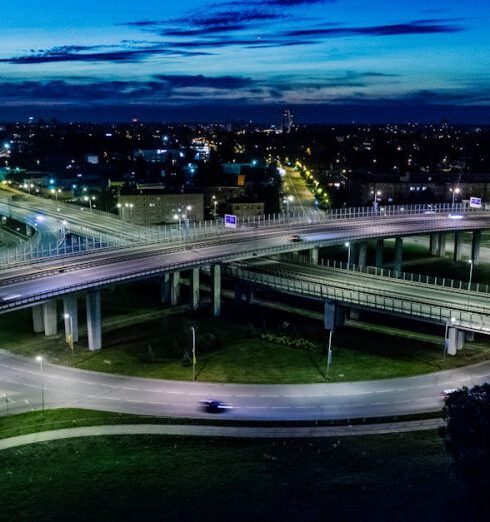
(327, 60)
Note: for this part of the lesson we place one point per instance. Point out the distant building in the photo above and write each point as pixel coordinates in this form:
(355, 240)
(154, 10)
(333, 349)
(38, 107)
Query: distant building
(92, 159)
(247, 209)
(152, 208)
(287, 121)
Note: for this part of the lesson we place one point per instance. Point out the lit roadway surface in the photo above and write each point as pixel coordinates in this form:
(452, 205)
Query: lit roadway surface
(31, 283)
(351, 283)
(65, 387)
(304, 200)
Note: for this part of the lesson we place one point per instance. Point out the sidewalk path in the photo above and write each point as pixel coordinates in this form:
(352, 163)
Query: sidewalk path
(221, 431)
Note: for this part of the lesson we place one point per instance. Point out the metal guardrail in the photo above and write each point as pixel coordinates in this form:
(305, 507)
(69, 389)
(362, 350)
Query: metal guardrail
(464, 317)
(207, 228)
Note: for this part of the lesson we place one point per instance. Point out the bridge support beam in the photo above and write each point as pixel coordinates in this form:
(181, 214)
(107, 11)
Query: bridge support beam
(434, 244)
(398, 261)
(216, 290)
(441, 250)
(458, 246)
(334, 316)
(362, 254)
(165, 289)
(314, 256)
(174, 288)
(94, 320)
(38, 318)
(194, 287)
(70, 315)
(50, 317)
(455, 340)
(380, 244)
(475, 247)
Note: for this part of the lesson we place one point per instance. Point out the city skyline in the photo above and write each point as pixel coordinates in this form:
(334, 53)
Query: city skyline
(326, 60)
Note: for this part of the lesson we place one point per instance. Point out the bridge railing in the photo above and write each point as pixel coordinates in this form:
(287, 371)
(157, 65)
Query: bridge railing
(465, 316)
(205, 229)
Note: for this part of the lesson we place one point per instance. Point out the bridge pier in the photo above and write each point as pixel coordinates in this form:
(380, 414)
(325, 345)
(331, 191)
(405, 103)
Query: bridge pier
(441, 250)
(174, 288)
(362, 254)
(94, 321)
(38, 319)
(165, 289)
(216, 290)
(314, 255)
(458, 246)
(475, 247)
(398, 261)
(50, 318)
(379, 253)
(334, 315)
(434, 244)
(470, 336)
(70, 315)
(455, 340)
(195, 290)
(354, 254)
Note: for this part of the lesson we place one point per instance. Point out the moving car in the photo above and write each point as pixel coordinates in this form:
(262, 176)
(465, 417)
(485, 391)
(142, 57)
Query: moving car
(295, 238)
(216, 406)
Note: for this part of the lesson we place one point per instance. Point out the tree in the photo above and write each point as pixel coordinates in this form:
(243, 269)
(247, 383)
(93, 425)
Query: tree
(467, 435)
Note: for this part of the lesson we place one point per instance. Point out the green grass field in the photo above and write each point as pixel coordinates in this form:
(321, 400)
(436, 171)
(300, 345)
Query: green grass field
(235, 352)
(401, 478)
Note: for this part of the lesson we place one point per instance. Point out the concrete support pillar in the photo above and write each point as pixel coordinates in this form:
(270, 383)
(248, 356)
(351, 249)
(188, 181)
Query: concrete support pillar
(362, 254)
(194, 288)
(380, 244)
(216, 290)
(441, 251)
(94, 321)
(460, 338)
(174, 288)
(398, 262)
(470, 337)
(434, 244)
(458, 246)
(38, 318)
(238, 293)
(354, 254)
(165, 289)
(354, 314)
(314, 256)
(70, 315)
(475, 247)
(28, 231)
(452, 340)
(50, 317)
(334, 316)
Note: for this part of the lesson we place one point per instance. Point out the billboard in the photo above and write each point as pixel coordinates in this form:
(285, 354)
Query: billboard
(231, 221)
(475, 202)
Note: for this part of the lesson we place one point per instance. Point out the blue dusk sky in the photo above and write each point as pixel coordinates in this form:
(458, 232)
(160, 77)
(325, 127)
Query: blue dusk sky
(327, 60)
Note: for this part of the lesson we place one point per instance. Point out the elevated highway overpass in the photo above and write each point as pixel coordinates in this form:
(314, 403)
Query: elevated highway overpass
(41, 283)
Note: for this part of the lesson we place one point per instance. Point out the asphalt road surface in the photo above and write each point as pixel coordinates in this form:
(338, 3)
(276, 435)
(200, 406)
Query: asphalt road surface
(21, 382)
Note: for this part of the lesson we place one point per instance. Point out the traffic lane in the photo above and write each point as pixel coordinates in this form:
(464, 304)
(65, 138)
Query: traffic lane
(372, 283)
(65, 386)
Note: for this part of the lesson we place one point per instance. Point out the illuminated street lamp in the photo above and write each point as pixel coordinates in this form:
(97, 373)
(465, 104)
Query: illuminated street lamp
(89, 199)
(69, 334)
(215, 206)
(40, 359)
(376, 194)
(347, 245)
(455, 191)
(471, 273)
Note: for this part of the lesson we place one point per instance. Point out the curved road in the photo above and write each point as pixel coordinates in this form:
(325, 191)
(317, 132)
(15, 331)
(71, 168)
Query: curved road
(21, 380)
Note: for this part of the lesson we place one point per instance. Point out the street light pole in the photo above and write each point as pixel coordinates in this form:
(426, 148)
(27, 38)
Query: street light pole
(69, 337)
(39, 359)
(471, 273)
(347, 244)
(194, 361)
(329, 353)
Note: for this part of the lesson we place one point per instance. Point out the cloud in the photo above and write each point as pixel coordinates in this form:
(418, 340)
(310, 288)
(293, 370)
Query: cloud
(409, 28)
(92, 54)
(213, 82)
